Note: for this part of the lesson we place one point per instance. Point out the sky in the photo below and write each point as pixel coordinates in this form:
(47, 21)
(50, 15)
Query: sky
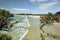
(31, 6)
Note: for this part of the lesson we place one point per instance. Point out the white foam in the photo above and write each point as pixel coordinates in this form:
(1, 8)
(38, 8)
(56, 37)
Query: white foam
(23, 35)
(27, 26)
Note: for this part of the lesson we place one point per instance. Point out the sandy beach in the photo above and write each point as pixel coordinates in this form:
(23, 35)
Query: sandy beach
(34, 30)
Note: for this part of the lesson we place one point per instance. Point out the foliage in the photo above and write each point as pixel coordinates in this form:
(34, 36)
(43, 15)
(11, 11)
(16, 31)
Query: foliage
(57, 13)
(5, 37)
(11, 25)
(4, 18)
(42, 36)
(50, 18)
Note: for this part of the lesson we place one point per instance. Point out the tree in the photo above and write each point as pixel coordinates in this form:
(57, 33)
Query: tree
(4, 18)
(57, 13)
(51, 18)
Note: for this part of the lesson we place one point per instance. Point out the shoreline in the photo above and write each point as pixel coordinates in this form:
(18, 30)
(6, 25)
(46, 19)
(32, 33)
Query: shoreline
(22, 36)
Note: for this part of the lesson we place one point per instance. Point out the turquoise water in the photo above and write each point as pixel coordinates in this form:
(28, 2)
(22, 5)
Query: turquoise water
(35, 21)
(17, 17)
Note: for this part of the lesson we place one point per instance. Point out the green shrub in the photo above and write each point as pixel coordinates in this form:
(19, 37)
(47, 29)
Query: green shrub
(11, 25)
(50, 18)
(5, 37)
(42, 36)
(4, 18)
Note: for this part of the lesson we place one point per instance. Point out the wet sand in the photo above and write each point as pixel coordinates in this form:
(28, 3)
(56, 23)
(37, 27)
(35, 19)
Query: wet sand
(34, 30)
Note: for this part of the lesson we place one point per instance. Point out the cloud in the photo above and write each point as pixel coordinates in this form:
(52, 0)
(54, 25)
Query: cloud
(46, 6)
(21, 9)
(2, 8)
(55, 0)
(38, 0)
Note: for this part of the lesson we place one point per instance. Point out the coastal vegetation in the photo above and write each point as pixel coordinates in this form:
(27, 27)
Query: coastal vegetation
(45, 19)
(8, 28)
(4, 18)
(5, 37)
(31, 14)
(49, 19)
(4, 23)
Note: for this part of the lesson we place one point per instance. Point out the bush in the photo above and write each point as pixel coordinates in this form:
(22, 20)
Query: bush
(50, 18)
(11, 25)
(5, 37)
(4, 18)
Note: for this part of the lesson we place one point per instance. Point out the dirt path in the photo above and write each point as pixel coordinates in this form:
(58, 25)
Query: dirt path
(34, 31)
